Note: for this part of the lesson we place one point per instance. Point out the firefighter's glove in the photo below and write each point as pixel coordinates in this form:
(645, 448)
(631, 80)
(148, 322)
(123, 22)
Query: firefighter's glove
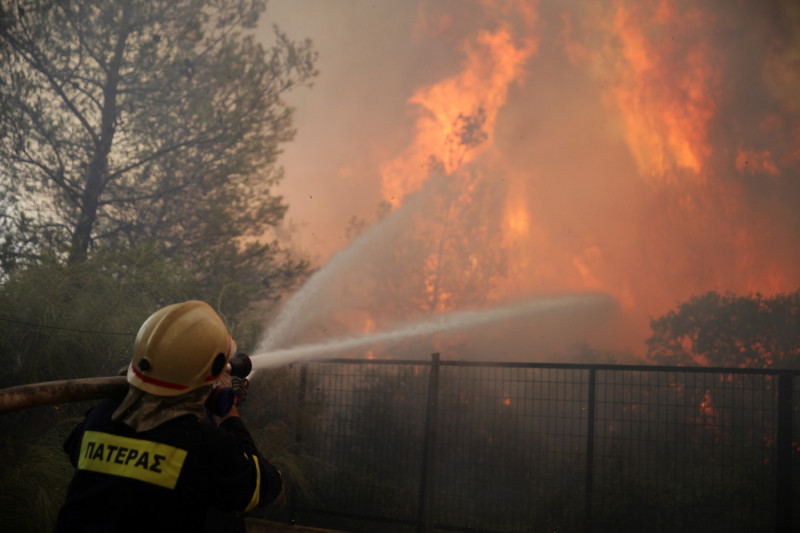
(222, 398)
(240, 386)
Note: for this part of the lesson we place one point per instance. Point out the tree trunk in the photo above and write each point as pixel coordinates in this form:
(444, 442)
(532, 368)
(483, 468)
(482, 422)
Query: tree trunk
(98, 166)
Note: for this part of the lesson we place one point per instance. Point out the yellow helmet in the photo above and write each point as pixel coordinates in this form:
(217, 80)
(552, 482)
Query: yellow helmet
(179, 348)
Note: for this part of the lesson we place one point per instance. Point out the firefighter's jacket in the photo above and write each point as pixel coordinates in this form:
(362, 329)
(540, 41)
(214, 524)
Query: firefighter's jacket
(163, 479)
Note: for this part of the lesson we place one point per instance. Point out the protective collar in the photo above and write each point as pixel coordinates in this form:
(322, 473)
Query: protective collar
(143, 411)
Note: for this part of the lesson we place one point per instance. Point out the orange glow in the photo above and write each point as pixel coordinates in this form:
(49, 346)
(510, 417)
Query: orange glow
(710, 417)
(706, 406)
(664, 82)
(518, 220)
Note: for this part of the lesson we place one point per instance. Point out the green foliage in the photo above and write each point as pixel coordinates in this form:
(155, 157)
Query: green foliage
(243, 283)
(34, 476)
(738, 331)
(62, 322)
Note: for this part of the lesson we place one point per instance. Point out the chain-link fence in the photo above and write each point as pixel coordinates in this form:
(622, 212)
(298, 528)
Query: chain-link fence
(456, 446)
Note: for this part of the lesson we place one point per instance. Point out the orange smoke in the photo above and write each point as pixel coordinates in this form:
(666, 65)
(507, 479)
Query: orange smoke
(755, 161)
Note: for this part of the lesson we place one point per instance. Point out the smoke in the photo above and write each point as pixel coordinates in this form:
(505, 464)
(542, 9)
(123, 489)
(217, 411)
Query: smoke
(330, 290)
(647, 150)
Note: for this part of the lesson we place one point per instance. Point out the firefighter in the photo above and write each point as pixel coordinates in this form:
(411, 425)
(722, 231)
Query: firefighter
(157, 459)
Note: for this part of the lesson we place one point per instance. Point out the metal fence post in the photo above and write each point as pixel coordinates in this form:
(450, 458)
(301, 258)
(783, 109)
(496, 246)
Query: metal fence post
(299, 434)
(299, 430)
(590, 415)
(784, 468)
(426, 483)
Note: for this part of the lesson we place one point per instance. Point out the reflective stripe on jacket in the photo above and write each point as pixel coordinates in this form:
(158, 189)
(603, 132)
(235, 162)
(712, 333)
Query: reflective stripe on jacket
(163, 479)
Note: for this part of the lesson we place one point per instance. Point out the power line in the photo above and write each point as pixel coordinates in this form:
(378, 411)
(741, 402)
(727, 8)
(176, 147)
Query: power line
(60, 328)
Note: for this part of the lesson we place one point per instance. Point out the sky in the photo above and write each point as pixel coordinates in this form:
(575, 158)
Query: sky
(496, 151)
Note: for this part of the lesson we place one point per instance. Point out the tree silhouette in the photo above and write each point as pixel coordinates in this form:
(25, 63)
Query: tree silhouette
(729, 330)
(135, 121)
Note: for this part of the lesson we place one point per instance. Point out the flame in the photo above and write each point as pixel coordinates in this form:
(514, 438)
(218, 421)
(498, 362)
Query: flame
(707, 405)
(458, 114)
(517, 217)
(647, 149)
(664, 82)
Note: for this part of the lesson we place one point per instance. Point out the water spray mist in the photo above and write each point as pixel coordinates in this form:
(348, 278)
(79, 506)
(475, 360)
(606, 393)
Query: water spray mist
(446, 322)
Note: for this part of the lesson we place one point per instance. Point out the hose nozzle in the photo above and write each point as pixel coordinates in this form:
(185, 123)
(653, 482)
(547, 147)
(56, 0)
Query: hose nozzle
(240, 364)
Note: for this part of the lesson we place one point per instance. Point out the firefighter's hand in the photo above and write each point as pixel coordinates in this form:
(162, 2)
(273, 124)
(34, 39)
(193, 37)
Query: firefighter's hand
(225, 380)
(240, 386)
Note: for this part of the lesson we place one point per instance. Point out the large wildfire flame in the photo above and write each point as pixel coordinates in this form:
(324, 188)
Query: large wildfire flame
(459, 113)
(646, 149)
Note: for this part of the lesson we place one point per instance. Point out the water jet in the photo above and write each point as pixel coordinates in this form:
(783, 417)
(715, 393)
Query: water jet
(447, 322)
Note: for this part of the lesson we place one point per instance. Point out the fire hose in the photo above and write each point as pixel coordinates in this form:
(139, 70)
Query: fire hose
(85, 389)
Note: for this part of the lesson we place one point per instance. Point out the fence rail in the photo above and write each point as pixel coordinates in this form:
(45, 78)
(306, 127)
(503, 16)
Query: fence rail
(497, 447)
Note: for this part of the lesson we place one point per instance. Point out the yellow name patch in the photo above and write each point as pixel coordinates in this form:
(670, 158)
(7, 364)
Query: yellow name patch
(152, 462)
